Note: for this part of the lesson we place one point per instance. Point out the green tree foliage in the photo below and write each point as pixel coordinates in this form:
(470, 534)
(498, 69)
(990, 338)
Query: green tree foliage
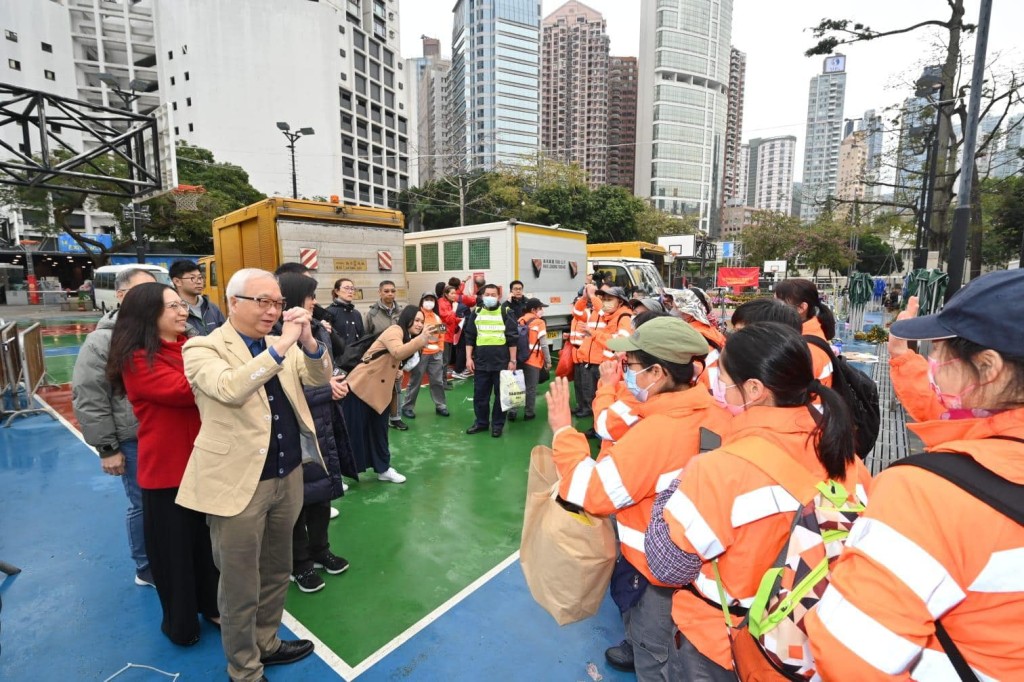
(824, 244)
(876, 257)
(770, 236)
(1006, 197)
(227, 189)
(547, 193)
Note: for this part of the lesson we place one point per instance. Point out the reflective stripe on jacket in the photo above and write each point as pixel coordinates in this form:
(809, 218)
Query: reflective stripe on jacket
(822, 363)
(538, 332)
(435, 347)
(603, 327)
(727, 508)
(650, 455)
(924, 550)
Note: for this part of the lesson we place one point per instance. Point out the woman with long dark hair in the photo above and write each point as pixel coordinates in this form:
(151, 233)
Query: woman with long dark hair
(145, 362)
(723, 508)
(802, 295)
(311, 549)
(397, 349)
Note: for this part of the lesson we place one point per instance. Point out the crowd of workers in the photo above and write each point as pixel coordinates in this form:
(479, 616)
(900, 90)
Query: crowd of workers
(166, 377)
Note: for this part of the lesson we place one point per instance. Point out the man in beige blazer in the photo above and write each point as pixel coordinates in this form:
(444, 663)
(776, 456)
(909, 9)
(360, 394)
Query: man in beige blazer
(245, 471)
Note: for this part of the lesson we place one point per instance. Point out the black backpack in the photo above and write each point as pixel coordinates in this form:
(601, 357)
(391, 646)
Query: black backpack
(861, 396)
(354, 352)
(1006, 497)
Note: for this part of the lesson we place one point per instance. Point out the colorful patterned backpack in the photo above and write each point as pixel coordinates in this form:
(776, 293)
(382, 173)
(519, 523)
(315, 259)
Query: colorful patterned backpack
(771, 642)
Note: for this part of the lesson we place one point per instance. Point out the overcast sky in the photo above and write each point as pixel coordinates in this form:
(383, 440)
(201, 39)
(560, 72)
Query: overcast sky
(774, 36)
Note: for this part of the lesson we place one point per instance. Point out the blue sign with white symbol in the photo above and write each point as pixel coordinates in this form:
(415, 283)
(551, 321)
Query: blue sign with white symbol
(727, 249)
(67, 244)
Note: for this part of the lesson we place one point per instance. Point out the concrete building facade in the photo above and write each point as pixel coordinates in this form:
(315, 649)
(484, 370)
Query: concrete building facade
(574, 89)
(851, 179)
(494, 85)
(825, 102)
(771, 163)
(682, 106)
(622, 94)
(431, 158)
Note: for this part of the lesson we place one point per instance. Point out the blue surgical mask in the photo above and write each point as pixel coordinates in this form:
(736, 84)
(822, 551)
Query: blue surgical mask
(490, 301)
(630, 376)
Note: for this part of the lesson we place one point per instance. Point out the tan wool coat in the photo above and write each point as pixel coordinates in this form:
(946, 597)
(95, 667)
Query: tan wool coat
(374, 381)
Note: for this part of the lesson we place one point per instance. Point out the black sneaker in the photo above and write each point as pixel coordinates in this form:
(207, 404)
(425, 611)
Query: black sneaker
(398, 424)
(331, 563)
(309, 581)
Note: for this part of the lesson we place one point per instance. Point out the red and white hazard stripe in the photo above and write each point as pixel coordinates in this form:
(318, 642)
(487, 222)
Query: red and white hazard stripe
(384, 261)
(310, 258)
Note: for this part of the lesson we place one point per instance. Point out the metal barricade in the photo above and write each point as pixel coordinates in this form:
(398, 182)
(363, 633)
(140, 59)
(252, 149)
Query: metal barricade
(25, 367)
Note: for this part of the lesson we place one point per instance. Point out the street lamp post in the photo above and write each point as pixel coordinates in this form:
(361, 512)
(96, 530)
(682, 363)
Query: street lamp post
(286, 131)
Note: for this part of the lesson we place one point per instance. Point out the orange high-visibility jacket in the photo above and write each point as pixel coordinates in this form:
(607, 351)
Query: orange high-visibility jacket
(727, 508)
(642, 463)
(712, 335)
(602, 327)
(924, 550)
(582, 310)
(909, 374)
(615, 413)
(538, 332)
(429, 318)
(822, 364)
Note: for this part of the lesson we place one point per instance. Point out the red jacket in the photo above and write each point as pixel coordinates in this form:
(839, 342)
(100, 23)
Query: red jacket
(446, 312)
(168, 417)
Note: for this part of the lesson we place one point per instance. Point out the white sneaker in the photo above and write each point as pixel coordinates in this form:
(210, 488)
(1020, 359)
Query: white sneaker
(344, 487)
(335, 513)
(391, 476)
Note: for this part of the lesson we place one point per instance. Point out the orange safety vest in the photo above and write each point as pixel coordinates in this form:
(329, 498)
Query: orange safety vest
(642, 463)
(615, 413)
(580, 316)
(429, 318)
(726, 508)
(538, 331)
(603, 327)
(927, 550)
(909, 374)
(822, 364)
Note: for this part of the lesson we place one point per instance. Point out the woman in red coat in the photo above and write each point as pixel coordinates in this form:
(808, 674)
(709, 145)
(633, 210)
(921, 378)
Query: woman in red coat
(145, 361)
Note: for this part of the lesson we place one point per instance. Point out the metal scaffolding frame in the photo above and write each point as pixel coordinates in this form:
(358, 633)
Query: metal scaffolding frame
(42, 119)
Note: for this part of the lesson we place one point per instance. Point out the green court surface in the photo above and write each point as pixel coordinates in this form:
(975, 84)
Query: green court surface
(463, 500)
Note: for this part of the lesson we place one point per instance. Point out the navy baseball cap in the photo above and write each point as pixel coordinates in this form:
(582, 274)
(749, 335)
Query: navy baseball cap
(981, 312)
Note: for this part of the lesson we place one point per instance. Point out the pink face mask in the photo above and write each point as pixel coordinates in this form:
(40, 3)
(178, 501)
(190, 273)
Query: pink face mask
(718, 389)
(950, 401)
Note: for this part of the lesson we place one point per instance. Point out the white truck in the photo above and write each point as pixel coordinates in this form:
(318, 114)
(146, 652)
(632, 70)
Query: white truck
(551, 262)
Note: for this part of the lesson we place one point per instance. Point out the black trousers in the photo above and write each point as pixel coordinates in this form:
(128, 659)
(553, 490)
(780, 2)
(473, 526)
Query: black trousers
(368, 433)
(181, 559)
(486, 383)
(309, 539)
(460, 355)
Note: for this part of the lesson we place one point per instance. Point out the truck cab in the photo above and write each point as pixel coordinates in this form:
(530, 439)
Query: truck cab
(628, 273)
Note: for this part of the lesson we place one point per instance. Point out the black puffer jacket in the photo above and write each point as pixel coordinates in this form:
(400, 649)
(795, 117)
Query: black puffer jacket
(332, 436)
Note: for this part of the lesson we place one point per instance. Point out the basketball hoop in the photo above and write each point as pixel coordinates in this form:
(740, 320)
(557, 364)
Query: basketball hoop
(186, 197)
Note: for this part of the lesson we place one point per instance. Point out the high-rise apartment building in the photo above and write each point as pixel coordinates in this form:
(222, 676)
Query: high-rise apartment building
(345, 79)
(432, 157)
(732, 181)
(622, 86)
(574, 89)
(682, 106)
(851, 184)
(340, 64)
(874, 128)
(770, 163)
(825, 102)
(494, 85)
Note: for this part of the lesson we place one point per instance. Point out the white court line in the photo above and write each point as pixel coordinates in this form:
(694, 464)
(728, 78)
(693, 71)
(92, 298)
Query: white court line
(324, 652)
(413, 630)
(68, 425)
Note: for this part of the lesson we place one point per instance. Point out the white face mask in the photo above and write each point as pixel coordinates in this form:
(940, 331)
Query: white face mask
(490, 301)
(610, 305)
(428, 305)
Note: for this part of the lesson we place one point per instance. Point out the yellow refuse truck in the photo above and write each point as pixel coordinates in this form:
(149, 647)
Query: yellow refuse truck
(335, 240)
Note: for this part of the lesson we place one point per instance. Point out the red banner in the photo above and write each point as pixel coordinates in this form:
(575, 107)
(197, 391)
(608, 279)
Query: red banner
(738, 278)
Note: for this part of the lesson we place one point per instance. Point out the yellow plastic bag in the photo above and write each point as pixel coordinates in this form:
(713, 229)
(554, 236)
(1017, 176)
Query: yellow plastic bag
(567, 557)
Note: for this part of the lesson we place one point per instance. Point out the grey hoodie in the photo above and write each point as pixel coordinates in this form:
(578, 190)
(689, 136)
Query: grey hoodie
(105, 419)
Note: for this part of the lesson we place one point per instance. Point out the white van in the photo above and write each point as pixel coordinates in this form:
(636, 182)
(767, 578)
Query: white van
(103, 281)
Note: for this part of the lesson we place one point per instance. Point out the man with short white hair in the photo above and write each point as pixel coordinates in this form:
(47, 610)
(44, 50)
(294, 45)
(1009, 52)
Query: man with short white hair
(245, 471)
(107, 421)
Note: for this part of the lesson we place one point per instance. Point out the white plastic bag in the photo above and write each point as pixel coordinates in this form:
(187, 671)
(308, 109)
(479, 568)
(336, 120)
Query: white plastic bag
(512, 389)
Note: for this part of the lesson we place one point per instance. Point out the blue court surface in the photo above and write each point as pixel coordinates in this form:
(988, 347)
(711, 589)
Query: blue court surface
(72, 615)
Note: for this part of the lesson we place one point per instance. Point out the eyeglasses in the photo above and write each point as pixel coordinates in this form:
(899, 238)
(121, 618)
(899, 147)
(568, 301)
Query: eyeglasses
(346, 288)
(266, 303)
(177, 305)
(196, 279)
